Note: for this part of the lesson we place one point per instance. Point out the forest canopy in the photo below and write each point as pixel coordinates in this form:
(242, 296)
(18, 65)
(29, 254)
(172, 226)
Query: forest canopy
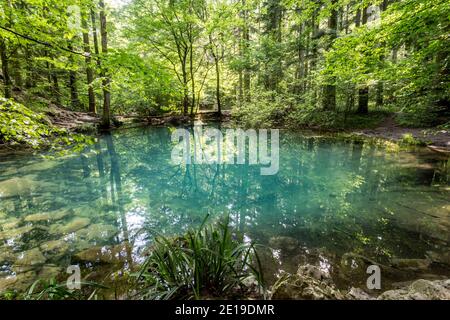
(294, 62)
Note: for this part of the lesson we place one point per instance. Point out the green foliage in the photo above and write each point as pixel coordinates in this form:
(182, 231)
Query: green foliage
(206, 263)
(21, 126)
(143, 86)
(266, 59)
(408, 51)
(51, 290)
(409, 140)
(270, 109)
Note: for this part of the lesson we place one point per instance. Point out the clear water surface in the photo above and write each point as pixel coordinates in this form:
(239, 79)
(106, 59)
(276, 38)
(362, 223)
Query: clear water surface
(338, 205)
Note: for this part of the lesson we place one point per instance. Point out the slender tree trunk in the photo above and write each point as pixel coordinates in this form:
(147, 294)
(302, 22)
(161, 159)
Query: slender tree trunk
(106, 118)
(380, 84)
(185, 89)
(240, 72)
(29, 68)
(379, 94)
(217, 65)
(246, 43)
(219, 104)
(363, 92)
(75, 102)
(55, 87)
(329, 98)
(95, 38)
(16, 68)
(5, 68)
(191, 72)
(89, 71)
(314, 50)
(4, 52)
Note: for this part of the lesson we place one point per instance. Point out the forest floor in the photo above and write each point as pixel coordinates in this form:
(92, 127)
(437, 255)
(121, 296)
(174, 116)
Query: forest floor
(438, 140)
(389, 129)
(70, 120)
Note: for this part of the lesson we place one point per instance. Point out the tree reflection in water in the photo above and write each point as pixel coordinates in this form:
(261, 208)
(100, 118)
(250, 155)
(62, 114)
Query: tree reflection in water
(330, 200)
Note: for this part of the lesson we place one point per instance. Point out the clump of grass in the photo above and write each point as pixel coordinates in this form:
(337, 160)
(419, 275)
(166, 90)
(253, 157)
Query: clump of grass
(409, 140)
(51, 290)
(206, 263)
(86, 128)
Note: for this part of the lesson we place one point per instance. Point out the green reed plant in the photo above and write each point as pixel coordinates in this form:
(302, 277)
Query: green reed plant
(206, 263)
(51, 290)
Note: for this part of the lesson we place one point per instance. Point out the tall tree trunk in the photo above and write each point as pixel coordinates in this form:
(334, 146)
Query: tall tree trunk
(329, 98)
(4, 52)
(29, 79)
(240, 72)
(17, 70)
(75, 102)
(5, 68)
(350, 92)
(55, 87)
(106, 117)
(245, 45)
(185, 89)
(191, 72)
(89, 71)
(215, 56)
(363, 92)
(219, 104)
(95, 38)
(314, 49)
(380, 85)
(300, 72)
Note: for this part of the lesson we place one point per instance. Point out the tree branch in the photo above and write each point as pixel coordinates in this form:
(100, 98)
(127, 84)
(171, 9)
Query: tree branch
(41, 42)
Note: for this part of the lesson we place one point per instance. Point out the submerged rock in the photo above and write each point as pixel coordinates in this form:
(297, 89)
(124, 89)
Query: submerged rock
(411, 264)
(37, 217)
(7, 282)
(439, 257)
(287, 244)
(17, 186)
(18, 282)
(420, 290)
(49, 272)
(6, 256)
(15, 233)
(310, 283)
(358, 294)
(104, 254)
(57, 247)
(48, 216)
(97, 232)
(30, 258)
(74, 225)
(314, 272)
(11, 223)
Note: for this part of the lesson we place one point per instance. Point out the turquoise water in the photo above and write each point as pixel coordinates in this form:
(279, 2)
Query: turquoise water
(339, 205)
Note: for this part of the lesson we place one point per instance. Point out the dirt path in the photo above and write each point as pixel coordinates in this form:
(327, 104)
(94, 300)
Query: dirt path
(389, 129)
(70, 119)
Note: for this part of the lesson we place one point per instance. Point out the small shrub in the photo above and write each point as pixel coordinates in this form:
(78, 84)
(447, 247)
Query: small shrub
(409, 140)
(207, 263)
(21, 126)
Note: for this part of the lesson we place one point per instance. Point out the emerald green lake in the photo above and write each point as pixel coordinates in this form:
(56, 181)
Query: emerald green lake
(335, 204)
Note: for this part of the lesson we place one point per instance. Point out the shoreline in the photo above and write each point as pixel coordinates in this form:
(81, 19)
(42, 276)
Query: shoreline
(434, 139)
